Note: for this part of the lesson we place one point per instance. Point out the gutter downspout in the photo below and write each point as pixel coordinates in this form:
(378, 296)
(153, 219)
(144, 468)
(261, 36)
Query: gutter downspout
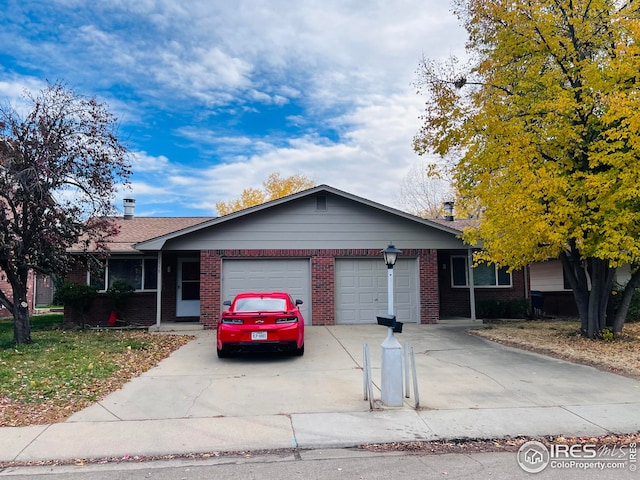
(472, 293)
(159, 291)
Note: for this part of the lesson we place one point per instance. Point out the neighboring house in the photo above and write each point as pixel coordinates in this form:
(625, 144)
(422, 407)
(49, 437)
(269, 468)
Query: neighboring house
(548, 279)
(321, 245)
(45, 290)
(5, 286)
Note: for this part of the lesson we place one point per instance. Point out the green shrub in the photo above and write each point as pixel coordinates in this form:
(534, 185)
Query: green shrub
(119, 292)
(518, 308)
(607, 334)
(493, 308)
(77, 296)
(489, 308)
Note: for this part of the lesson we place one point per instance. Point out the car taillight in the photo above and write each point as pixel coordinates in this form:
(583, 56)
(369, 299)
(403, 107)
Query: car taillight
(232, 321)
(287, 320)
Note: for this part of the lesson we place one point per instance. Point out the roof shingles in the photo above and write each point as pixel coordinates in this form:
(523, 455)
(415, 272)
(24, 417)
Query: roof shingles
(140, 229)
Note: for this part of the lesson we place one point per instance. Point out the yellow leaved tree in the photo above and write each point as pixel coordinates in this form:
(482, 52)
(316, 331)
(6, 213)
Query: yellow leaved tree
(545, 121)
(274, 188)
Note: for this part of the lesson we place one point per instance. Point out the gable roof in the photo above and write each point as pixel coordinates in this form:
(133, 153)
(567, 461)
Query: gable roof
(158, 242)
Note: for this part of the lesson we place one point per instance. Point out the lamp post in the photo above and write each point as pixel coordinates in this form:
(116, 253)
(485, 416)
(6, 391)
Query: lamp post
(391, 370)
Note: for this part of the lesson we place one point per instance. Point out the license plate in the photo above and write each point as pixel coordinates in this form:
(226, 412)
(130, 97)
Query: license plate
(258, 335)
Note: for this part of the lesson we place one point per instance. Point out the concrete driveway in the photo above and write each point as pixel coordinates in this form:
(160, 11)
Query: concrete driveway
(455, 370)
(468, 388)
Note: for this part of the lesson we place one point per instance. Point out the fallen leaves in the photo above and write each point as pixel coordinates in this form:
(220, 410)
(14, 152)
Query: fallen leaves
(480, 445)
(46, 385)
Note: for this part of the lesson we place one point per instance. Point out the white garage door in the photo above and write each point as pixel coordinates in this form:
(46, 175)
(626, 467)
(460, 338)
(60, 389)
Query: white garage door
(361, 290)
(288, 275)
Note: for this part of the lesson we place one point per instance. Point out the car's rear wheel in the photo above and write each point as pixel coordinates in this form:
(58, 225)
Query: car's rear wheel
(222, 353)
(299, 351)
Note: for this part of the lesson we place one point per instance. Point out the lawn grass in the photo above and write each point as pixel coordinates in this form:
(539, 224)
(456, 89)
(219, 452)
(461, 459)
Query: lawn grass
(62, 371)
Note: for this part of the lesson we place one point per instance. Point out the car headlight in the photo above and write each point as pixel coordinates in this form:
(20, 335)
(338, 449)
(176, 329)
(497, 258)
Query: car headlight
(287, 320)
(232, 321)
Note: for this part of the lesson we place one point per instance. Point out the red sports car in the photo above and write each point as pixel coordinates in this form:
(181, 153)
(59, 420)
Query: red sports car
(261, 322)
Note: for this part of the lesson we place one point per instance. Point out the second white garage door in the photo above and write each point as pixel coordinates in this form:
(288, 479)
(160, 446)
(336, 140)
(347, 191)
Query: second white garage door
(361, 290)
(288, 275)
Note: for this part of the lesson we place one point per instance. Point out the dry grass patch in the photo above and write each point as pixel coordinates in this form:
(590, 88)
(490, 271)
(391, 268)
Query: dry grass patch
(561, 339)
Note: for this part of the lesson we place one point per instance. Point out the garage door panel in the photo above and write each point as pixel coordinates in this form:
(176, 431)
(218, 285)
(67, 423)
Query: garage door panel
(367, 298)
(365, 282)
(346, 281)
(401, 300)
(346, 298)
(361, 290)
(369, 314)
(289, 275)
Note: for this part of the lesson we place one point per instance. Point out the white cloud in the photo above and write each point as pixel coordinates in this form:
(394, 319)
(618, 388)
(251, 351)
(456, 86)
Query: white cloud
(143, 162)
(344, 65)
(371, 162)
(13, 91)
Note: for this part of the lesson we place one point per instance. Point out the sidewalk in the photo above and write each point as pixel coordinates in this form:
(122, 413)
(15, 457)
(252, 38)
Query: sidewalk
(194, 402)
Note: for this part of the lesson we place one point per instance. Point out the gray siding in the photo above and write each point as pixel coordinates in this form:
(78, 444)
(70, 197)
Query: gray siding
(299, 225)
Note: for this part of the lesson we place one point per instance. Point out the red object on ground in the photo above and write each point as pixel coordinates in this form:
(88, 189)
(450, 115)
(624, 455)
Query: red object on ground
(112, 319)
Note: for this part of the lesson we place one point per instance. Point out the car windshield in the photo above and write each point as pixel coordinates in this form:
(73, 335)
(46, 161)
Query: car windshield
(257, 304)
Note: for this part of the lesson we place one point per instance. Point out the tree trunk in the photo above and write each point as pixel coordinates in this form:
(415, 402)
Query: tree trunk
(21, 325)
(627, 296)
(579, 286)
(591, 290)
(601, 283)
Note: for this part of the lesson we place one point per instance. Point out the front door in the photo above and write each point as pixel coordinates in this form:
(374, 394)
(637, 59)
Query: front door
(188, 294)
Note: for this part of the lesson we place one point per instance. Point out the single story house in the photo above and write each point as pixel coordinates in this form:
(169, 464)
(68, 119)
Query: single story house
(322, 245)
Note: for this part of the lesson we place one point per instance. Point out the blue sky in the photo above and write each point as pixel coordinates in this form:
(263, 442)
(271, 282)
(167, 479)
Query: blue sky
(214, 95)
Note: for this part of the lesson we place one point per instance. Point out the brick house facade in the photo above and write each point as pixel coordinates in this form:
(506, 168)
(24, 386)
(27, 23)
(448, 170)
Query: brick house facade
(324, 232)
(323, 280)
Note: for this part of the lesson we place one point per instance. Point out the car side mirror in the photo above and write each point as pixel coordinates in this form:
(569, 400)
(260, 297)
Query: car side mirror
(299, 302)
(227, 303)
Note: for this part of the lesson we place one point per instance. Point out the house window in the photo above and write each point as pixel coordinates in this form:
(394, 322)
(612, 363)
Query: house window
(141, 273)
(484, 275)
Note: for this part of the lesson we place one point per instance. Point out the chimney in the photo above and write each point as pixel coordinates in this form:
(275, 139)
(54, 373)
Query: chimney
(129, 206)
(448, 211)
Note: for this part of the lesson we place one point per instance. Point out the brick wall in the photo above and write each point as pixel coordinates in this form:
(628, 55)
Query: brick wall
(140, 309)
(210, 275)
(437, 298)
(429, 288)
(322, 289)
(322, 277)
(454, 302)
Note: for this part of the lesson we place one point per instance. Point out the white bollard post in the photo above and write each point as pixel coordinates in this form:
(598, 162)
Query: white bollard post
(391, 384)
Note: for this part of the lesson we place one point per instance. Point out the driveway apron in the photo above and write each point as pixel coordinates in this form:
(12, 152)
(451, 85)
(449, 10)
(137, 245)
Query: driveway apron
(455, 370)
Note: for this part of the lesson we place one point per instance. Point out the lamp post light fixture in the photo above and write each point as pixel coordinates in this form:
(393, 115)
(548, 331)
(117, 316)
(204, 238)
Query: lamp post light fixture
(391, 370)
(390, 255)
